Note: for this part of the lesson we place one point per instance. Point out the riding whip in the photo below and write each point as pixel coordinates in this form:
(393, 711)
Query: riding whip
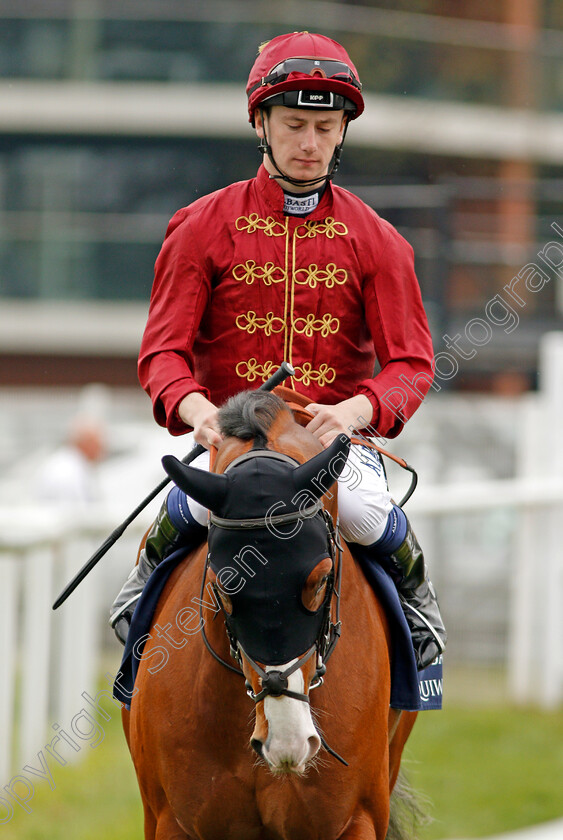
(279, 376)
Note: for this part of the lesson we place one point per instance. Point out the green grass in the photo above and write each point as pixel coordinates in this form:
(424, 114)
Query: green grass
(94, 799)
(486, 768)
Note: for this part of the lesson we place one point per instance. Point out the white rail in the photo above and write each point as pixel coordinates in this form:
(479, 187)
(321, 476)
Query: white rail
(534, 577)
(49, 658)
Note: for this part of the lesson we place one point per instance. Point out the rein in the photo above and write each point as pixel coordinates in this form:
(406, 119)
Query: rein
(303, 416)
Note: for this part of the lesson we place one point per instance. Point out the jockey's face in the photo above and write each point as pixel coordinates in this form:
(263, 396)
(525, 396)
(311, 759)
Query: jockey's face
(302, 141)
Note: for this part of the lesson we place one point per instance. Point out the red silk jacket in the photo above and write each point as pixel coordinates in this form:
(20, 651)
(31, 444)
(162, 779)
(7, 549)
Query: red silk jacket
(239, 287)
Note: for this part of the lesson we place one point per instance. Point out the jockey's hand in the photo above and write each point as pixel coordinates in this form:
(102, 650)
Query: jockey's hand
(197, 411)
(331, 420)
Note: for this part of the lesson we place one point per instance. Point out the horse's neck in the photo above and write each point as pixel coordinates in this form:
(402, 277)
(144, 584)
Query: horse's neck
(284, 436)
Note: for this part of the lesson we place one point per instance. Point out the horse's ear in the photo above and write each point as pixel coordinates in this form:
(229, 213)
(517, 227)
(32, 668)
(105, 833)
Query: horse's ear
(206, 488)
(318, 474)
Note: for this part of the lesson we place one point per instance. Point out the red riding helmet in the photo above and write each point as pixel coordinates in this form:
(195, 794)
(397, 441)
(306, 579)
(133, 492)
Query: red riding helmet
(304, 70)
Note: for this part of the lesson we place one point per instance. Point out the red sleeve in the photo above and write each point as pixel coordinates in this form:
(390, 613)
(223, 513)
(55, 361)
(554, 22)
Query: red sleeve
(401, 336)
(179, 296)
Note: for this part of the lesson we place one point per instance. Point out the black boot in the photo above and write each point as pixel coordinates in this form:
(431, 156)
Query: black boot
(418, 600)
(163, 538)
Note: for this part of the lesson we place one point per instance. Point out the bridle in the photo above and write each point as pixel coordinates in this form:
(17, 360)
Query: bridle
(275, 683)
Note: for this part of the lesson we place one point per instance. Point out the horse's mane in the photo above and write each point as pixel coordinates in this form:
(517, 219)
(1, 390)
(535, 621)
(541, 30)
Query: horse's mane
(249, 415)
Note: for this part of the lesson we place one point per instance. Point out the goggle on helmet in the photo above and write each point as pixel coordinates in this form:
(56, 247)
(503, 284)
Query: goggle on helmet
(304, 70)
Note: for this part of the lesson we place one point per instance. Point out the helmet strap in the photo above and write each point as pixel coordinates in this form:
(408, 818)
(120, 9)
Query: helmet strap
(265, 148)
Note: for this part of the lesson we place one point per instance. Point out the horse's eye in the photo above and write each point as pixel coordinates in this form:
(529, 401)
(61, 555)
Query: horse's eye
(314, 591)
(322, 584)
(226, 602)
(225, 599)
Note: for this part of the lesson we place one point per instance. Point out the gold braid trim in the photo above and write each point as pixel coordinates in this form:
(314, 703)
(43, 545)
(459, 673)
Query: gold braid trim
(329, 228)
(323, 376)
(269, 273)
(327, 325)
(251, 370)
(330, 275)
(250, 322)
(253, 223)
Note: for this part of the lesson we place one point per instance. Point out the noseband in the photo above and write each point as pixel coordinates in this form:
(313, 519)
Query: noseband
(275, 683)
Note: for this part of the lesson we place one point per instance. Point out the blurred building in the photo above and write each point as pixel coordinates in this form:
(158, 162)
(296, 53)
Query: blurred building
(114, 113)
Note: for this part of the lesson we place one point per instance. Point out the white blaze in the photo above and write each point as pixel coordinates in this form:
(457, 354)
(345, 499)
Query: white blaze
(292, 737)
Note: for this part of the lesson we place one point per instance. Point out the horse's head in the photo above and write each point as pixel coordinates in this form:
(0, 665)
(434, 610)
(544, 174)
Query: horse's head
(271, 557)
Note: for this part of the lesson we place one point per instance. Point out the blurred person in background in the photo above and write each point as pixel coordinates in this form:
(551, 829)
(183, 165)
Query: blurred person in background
(287, 266)
(69, 475)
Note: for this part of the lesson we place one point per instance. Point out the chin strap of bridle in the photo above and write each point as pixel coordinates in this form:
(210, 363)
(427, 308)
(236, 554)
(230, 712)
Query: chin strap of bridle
(265, 148)
(276, 682)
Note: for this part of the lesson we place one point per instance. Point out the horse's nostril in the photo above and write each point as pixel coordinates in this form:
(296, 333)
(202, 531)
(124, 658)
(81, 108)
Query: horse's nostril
(314, 745)
(257, 746)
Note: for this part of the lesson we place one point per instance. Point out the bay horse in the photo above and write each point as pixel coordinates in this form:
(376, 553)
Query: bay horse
(216, 762)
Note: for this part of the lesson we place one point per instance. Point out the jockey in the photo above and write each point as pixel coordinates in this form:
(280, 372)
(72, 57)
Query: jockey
(289, 266)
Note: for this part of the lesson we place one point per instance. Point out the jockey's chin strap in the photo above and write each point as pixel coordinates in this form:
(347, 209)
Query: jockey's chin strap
(266, 150)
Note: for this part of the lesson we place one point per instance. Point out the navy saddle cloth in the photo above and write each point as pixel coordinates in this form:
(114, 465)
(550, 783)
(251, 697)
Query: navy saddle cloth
(411, 690)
